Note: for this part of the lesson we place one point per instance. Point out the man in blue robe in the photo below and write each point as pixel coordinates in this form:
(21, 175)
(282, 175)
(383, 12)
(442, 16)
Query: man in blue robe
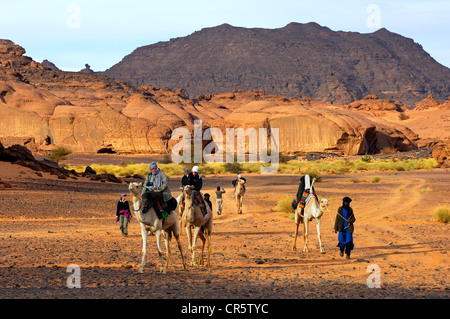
(344, 225)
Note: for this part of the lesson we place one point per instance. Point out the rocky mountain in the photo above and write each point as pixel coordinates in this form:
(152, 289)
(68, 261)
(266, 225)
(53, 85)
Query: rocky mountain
(298, 60)
(44, 109)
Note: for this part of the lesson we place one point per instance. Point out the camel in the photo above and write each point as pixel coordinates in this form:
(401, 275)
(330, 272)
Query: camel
(193, 217)
(239, 192)
(313, 209)
(180, 211)
(151, 223)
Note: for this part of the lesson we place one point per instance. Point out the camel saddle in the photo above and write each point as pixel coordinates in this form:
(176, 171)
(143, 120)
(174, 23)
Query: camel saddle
(163, 209)
(306, 197)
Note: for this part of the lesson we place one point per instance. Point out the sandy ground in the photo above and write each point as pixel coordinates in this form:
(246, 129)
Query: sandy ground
(48, 224)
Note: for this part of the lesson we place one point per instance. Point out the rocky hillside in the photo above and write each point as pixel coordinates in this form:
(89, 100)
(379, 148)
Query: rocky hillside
(299, 60)
(44, 109)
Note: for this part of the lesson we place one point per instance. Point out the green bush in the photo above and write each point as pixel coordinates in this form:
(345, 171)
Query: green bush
(366, 158)
(59, 154)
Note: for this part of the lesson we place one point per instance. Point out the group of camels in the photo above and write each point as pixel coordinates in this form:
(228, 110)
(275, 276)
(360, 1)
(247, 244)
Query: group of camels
(192, 218)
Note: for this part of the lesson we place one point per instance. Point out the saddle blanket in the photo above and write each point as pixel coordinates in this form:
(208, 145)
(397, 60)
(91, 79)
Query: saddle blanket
(306, 197)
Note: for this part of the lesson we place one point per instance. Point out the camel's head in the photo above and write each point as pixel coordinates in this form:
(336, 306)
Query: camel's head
(187, 190)
(135, 188)
(324, 202)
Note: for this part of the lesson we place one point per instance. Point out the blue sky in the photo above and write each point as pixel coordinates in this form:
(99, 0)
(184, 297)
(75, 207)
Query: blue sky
(101, 32)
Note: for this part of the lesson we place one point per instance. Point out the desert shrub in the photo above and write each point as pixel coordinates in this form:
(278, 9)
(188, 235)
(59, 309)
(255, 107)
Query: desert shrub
(442, 213)
(215, 168)
(313, 173)
(284, 206)
(403, 116)
(206, 169)
(375, 179)
(361, 166)
(313, 168)
(366, 158)
(234, 167)
(59, 154)
(251, 167)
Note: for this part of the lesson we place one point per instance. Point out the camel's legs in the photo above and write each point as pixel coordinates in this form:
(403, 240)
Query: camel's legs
(202, 237)
(177, 237)
(144, 248)
(208, 236)
(305, 235)
(166, 240)
(181, 223)
(297, 222)
(158, 245)
(238, 204)
(189, 236)
(194, 245)
(322, 251)
(176, 233)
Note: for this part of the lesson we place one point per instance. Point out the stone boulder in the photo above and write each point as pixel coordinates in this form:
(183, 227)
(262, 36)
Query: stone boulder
(87, 69)
(427, 103)
(16, 153)
(49, 65)
(441, 154)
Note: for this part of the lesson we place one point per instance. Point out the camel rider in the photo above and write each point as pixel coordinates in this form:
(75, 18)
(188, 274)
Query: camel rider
(156, 190)
(304, 189)
(185, 178)
(195, 180)
(184, 182)
(239, 177)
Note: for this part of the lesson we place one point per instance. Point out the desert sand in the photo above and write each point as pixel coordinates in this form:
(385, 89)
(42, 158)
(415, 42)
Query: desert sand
(48, 224)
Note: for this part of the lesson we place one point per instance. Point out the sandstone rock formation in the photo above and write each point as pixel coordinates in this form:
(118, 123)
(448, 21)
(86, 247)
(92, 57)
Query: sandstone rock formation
(87, 69)
(89, 112)
(309, 126)
(298, 60)
(427, 103)
(373, 103)
(12, 56)
(441, 154)
(49, 65)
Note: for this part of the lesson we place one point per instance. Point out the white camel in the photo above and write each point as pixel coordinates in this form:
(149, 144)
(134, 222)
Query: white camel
(151, 223)
(313, 210)
(193, 217)
(239, 192)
